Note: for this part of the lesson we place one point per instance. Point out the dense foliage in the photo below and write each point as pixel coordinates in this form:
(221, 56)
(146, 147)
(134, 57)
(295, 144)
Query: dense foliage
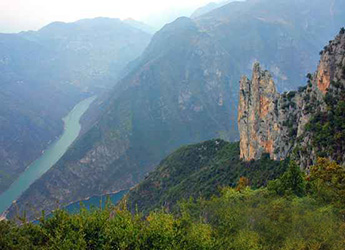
(327, 183)
(200, 170)
(327, 127)
(240, 218)
(291, 182)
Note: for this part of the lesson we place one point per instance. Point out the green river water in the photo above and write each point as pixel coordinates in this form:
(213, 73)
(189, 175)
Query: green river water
(50, 156)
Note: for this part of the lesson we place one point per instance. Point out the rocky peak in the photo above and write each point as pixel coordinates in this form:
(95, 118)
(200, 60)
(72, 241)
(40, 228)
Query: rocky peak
(256, 114)
(276, 124)
(332, 63)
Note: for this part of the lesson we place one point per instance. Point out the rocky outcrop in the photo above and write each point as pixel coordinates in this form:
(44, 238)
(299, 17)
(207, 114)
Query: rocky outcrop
(279, 124)
(265, 118)
(257, 119)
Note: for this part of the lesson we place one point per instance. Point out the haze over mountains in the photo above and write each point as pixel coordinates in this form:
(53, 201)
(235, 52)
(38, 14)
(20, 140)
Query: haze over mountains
(44, 74)
(211, 6)
(184, 89)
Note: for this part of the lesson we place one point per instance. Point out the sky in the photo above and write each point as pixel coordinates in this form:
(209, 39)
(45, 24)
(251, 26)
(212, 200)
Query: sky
(19, 15)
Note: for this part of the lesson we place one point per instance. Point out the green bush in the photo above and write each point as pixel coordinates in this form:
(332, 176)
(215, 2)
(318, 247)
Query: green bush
(291, 182)
(240, 218)
(327, 127)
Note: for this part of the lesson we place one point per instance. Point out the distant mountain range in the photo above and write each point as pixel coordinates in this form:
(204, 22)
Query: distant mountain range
(140, 25)
(184, 89)
(44, 73)
(211, 6)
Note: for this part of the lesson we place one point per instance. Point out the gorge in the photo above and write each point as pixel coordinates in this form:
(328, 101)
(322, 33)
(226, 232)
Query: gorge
(183, 89)
(49, 157)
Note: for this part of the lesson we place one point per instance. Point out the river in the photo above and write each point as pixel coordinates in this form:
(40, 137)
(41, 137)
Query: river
(50, 156)
(95, 202)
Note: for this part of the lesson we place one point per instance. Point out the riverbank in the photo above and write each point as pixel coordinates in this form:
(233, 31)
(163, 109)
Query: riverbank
(50, 156)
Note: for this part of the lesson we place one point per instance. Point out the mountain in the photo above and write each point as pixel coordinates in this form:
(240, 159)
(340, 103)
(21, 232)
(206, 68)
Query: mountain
(184, 89)
(305, 124)
(44, 74)
(90, 53)
(209, 7)
(179, 205)
(161, 17)
(279, 34)
(142, 123)
(139, 25)
(29, 116)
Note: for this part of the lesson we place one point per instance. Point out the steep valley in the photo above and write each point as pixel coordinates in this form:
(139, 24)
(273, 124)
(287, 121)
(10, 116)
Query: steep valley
(184, 89)
(44, 73)
(49, 157)
(222, 131)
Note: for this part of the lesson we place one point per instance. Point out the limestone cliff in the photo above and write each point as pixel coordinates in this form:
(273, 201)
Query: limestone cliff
(279, 124)
(257, 119)
(265, 118)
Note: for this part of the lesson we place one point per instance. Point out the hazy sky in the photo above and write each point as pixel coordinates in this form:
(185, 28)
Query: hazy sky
(18, 15)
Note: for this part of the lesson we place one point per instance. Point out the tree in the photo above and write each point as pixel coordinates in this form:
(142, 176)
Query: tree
(327, 182)
(342, 31)
(310, 76)
(242, 183)
(291, 182)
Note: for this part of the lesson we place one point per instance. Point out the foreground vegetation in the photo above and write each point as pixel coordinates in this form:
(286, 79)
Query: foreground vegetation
(294, 212)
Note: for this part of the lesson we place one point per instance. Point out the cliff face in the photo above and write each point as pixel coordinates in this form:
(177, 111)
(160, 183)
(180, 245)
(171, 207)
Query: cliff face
(279, 124)
(265, 118)
(257, 119)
